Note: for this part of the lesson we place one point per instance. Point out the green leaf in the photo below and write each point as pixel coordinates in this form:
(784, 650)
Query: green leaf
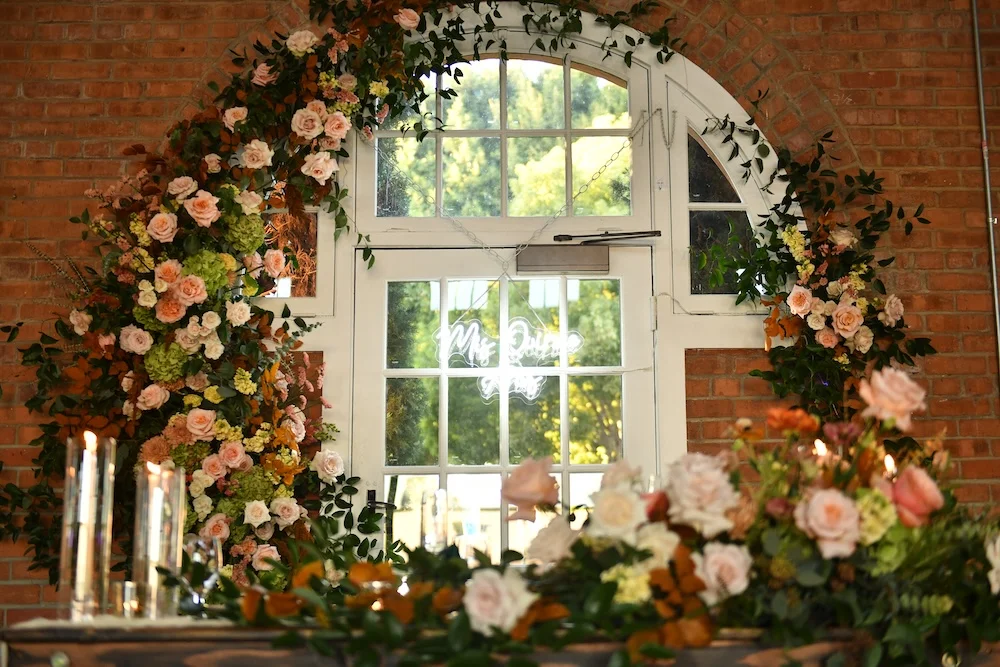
(459, 632)
(619, 659)
(772, 542)
(873, 656)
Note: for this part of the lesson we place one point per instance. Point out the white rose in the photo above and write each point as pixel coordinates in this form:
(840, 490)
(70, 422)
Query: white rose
(160, 286)
(214, 163)
(297, 428)
(80, 321)
(188, 343)
(250, 201)
(211, 320)
(128, 409)
(725, 569)
(617, 513)
(147, 299)
(264, 553)
(182, 187)
(285, 511)
(496, 602)
(255, 513)
(843, 236)
(863, 339)
(816, 321)
(200, 480)
(328, 465)
(892, 311)
(301, 42)
(700, 494)
(661, 542)
(238, 313)
(203, 506)
(992, 546)
(553, 542)
(255, 155)
(214, 347)
(127, 380)
(834, 289)
(620, 473)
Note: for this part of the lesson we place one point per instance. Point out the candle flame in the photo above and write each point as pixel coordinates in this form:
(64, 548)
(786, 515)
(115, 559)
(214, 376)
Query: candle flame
(90, 440)
(819, 448)
(890, 464)
(152, 467)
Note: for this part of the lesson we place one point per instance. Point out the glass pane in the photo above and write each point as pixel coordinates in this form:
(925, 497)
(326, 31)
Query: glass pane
(611, 193)
(474, 514)
(476, 101)
(471, 176)
(595, 419)
(409, 116)
(406, 492)
(536, 175)
(298, 232)
(534, 95)
(595, 322)
(406, 176)
(707, 229)
(474, 323)
(413, 319)
(521, 533)
(534, 422)
(411, 421)
(581, 486)
(599, 100)
(533, 328)
(473, 424)
(706, 179)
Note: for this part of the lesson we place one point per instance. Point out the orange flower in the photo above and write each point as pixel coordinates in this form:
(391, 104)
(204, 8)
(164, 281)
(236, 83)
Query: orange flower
(305, 573)
(446, 600)
(399, 606)
(281, 605)
(250, 603)
(792, 420)
(419, 589)
(365, 572)
(539, 612)
(639, 639)
(362, 600)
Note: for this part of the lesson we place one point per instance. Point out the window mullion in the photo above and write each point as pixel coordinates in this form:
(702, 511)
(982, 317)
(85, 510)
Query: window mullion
(443, 356)
(504, 371)
(567, 129)
(503, 141)
(564, 387)
(439, 155)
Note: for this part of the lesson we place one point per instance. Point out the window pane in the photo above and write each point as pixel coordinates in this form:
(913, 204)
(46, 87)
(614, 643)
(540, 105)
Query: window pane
(595, 419)
(474, 514)
(707, 229)
(473, 424)
(536, 175)
(534, 424)
(413, 320)
(406, 493)
(476, 102)
(474, 323)
(471, 176)
(611, 193)
(582, 485)
(411, 421)
(534, 95)
(595, 322)
(599, 100)
(533, 307)
(297, 232)
(409, 117)
(406, 177)
(706, 179)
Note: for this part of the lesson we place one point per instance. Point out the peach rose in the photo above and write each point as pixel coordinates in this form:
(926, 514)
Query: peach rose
(169, 271)
(190, 290)
(213, 163)
(249, 201)
(169, 309)
(528, 486)
(800, 301)
(301, 42)
(321, 166)
(892, 311)
(80, 320)
(152, 397)
(135, 340)
(263, 76)
(892, 394)
(203, 207)
(407, 19)
(274, 262)
(337, 125)
(232, 116)
(201, 424)
(162, 227)
(106, 340)
(285, 511)
(847, 319)
(264, 553)
(255, 155)
(307, 124)
(725, 569)
(216, 526)
(182, 187)
(831, 518)
(916, 495)
(196, 382)
(231, 454)
(318, 107)
(827, 337)
(245, 464)
(214, 467)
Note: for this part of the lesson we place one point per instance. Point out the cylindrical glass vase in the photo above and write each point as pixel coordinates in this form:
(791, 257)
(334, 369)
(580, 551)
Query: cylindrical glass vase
(158, 539)
(85, 556)
(434, 520)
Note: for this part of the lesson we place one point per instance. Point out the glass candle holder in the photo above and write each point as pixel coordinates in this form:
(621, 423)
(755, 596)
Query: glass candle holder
(158, 540)
(434, 520)
(85, 555)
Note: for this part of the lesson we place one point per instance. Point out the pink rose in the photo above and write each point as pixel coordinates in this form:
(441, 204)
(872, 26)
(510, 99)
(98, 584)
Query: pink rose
(216, 526)
(263, 76)
(779, 508)
(329, 144)
(253, 264)
(285, 511)
(831, 518)
(800, 301)
(264, 553)
(232, 116)
(916, 495)
(321, 166)
(827, 337)
(264, 531)
(347, 81)
(201, 424)
(203, 207)
(274, 262)
(135, 340)
(496, 601)
(245, 464)
(255, 155)
(382, 114)
(231, 454)
(169, 271)
(337, 126)
(328, 465)
(407, 19)
(529, 486)
(196, 382)
(725, 569)
(847, 319)
(182, 187)
(892, 394)
(169, 309)
(213, 163)
(318, 107)
(307, 124)
(892, 311)
(190, 290)
(162, 227)
(214, 467)
(152, 397)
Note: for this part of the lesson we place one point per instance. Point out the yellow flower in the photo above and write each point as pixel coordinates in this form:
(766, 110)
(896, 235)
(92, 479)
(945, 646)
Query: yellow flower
(192, 400)
(633, 583)
(226, 432)
(379, 88)
(142, 261)
(212, 394)
(138, 229)
(228, 260)
(243, 383)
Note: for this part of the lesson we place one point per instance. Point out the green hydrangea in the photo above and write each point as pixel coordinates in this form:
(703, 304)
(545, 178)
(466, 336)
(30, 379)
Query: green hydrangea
(208, 266)
(245, 232)
(238, 531)
(190, 457)
(231, 507)
(877, 515)
(892, 549)
(165, 363)
(189, 518)
(252, 485)
(147, 319)
(272, 580)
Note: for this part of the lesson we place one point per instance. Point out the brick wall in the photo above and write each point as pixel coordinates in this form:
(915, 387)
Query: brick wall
(895, 78)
